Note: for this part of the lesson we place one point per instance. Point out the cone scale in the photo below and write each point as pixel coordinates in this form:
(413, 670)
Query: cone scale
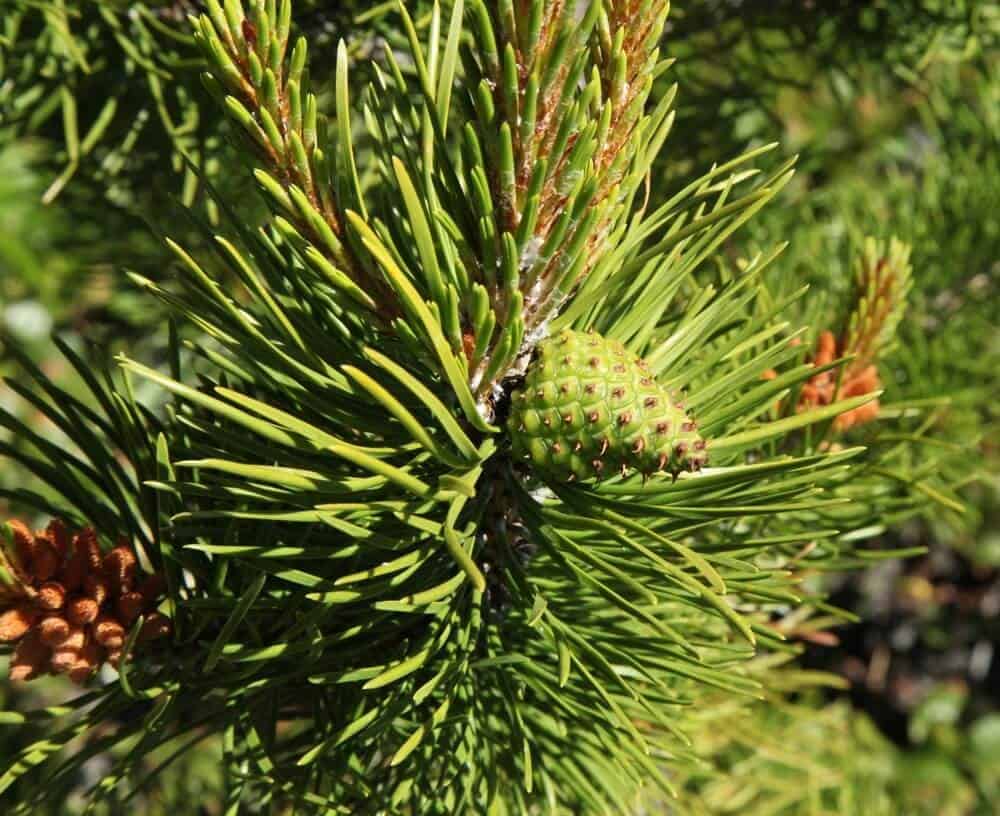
(589, 408)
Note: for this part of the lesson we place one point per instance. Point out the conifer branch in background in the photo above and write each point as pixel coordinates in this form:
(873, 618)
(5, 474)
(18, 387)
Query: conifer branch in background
(881, 284)
(882, 281)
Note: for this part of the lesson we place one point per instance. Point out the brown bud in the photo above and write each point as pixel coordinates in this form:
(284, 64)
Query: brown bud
(59, 585)
(46, 562)
(53, 630)
(24, 541)
(74, 571)
(826, 349)
(863, 382)
(156, 626)
(58, 537)
(51, 596)
(82, 611)
(75, 640)
(86, 664)
(85, 543)
(96, 587)
(809, 395)
(249, 32)
(119, 566)
(63, 659)
(15, 623)
(468, 344)
(30, 658)
(109, 632)
(130, 606)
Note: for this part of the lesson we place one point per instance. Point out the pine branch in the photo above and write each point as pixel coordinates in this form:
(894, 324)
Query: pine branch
(882, 281)
(265, 91)
(377, 601)
(561, 139)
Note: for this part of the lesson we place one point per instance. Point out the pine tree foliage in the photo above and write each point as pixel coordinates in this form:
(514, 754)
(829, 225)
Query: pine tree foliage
(106, 96)
(796, 753)
(138, 57)
(744, 62)
(923, 184)
(97, 72)
(111, 82)
(789, 757)
(375, 604)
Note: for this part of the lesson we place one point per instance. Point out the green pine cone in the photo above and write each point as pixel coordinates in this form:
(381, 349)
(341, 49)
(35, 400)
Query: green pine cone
(589, 407)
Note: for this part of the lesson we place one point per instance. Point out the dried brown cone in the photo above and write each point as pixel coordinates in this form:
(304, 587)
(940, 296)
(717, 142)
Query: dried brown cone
(67, 606)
